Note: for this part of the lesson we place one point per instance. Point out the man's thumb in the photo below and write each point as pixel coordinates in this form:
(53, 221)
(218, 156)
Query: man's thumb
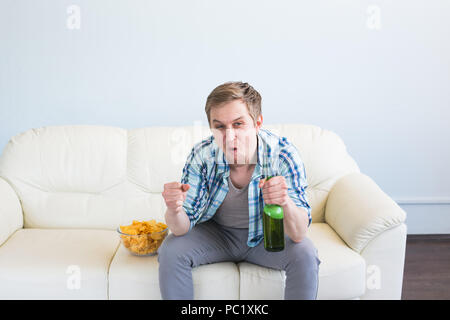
(185, 187)
(261, 182)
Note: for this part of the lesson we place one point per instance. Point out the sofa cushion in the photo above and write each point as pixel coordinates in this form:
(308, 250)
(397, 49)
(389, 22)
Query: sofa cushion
(133, 277)
(341, 272)
(56, 264)
(85, 177)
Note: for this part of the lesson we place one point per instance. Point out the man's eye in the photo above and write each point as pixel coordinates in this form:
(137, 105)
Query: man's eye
(237, 123)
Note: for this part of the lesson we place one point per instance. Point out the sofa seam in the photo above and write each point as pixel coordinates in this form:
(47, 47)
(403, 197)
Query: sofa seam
(109, 268)
(366, 243)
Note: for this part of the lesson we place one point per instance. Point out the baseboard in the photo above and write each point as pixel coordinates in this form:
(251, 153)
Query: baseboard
(427, 237)
(423, 200)
(426, 215)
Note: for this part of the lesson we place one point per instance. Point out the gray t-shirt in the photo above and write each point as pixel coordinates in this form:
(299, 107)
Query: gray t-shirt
(233, 212)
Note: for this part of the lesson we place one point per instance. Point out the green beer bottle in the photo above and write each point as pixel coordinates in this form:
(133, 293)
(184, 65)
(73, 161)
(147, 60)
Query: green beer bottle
(273, 227)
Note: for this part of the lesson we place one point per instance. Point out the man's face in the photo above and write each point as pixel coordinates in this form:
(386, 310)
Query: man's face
(235, 133)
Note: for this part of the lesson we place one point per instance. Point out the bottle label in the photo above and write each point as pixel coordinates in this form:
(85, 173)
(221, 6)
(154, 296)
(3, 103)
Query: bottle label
(274, 211)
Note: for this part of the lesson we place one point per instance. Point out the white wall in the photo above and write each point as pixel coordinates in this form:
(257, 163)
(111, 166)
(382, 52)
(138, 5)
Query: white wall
(382, 84)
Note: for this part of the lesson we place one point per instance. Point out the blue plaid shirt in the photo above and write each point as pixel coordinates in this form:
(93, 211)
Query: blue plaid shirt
(207, 171)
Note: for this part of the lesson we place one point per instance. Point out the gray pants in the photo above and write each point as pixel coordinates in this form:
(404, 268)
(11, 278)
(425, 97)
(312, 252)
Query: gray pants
(209, 242)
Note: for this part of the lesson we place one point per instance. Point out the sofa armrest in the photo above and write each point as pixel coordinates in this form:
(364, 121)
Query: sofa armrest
(11, 217)
(358, 210)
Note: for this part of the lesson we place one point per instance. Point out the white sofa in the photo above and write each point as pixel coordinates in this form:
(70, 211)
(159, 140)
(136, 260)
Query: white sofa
(65, 189)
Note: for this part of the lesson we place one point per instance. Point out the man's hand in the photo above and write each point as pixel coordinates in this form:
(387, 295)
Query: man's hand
(174, 195)
(295, 218)
(275, 191)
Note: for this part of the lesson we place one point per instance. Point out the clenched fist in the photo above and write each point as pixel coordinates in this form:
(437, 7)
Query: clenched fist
(275, 190)
(174, 195)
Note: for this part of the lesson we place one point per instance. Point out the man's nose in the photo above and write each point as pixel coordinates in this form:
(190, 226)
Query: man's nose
(229, 138)
(229, 135)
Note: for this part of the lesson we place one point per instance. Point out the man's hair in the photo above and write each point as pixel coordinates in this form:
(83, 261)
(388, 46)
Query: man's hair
(236, 90)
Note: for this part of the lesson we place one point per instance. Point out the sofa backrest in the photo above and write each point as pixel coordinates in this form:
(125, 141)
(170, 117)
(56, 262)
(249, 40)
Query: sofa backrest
(83, 176)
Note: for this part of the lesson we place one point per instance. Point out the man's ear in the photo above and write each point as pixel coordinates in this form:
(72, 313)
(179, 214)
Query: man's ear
(259, 122)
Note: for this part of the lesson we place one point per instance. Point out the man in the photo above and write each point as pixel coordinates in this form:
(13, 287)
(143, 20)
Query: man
(215, 212)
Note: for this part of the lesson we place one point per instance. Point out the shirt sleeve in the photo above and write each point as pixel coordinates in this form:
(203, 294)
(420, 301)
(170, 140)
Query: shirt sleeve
(194, 174)
(292, 168)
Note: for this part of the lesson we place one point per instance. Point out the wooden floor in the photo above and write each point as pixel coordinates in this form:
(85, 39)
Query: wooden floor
(427, 268)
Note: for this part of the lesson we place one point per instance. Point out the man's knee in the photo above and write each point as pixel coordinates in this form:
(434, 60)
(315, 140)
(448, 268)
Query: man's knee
(172, 249)
(304, 252)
